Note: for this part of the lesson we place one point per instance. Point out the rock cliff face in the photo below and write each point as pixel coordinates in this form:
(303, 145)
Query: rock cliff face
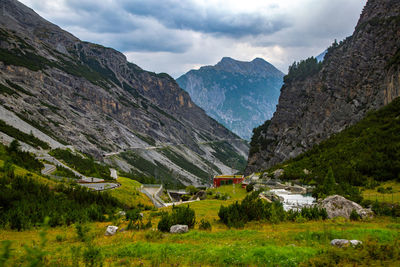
(240, 95)
(357, 75)
(90, 96)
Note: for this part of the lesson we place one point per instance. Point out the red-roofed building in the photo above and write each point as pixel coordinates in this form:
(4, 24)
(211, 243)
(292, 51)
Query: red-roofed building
(227, 179)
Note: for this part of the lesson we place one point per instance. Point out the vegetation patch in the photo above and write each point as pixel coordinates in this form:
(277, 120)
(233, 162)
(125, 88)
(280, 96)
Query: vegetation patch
(85, 166)
(227, 155)
(25, 203)
(299, 71)
(184, 163)
(21, 136)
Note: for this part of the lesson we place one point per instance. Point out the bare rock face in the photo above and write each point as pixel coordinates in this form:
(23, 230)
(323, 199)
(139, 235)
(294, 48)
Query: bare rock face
(361, 73)
(338, 206)
(91, 97)
(178, 229)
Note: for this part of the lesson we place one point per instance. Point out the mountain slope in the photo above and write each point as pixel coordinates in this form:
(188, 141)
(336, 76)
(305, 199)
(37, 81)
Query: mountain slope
(361, 73)
(89, 96)
(238, 94)
(366, 151)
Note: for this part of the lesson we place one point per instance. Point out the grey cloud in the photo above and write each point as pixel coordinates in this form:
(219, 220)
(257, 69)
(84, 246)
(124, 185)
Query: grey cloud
(189, 16)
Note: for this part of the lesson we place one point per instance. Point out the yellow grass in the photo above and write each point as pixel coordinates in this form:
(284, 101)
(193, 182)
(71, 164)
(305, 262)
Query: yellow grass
(208, 209)
(373, 194)
(128, 193)
(22, 172)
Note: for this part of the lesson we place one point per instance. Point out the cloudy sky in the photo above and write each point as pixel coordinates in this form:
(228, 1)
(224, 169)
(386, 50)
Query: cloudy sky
(175, 36)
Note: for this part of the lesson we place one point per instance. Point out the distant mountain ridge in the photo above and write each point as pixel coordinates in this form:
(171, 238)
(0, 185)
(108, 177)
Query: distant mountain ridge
(240, 95)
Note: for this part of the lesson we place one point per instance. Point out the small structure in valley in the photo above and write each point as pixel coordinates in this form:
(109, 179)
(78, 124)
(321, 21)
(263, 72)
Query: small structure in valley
(227, 179)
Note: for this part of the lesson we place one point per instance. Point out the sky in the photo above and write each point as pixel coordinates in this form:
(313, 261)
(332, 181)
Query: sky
(175, 36)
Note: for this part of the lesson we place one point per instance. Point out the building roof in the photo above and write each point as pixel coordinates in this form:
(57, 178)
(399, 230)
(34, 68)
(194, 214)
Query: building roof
(228, 176)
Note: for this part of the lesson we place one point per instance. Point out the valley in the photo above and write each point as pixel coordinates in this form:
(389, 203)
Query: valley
(103, 163)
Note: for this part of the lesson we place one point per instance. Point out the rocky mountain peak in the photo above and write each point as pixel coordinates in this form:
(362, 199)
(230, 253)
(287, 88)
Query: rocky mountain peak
(358, 74)
(238, 94)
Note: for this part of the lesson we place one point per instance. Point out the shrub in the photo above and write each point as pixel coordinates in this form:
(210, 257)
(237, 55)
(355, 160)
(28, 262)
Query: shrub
(253, 208)
(249, 187)
(92, 256)
(165, 223)
(205, 225)
(179, 215)
(82, 232)
(191, 189)
(354, 216)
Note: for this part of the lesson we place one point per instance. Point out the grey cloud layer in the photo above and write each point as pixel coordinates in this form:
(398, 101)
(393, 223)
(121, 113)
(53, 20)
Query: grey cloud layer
(169, 35)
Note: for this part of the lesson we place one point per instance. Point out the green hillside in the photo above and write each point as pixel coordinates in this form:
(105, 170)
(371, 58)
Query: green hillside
(361, 155)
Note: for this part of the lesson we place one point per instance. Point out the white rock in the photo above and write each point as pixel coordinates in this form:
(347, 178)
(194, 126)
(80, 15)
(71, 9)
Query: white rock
(355, 243)
(111, 230)
(340, 243)
(338, 206)
(179, 228)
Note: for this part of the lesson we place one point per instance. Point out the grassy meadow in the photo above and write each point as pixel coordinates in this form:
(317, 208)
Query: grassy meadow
(257, 244)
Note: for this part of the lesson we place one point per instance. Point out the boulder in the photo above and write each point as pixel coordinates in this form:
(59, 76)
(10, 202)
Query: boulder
(306, 172)
(178, 229)
(340, 243)
(111, 230)
(338, 206)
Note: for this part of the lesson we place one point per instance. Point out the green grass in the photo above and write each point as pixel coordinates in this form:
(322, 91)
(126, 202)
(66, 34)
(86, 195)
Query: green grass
(258, 244)
(128, 193)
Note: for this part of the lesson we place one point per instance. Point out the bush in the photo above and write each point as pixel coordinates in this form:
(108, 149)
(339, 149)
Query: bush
(205, 225)
(191, 189)
(253, 208)
(82, 232)
(165, 223)
(354, 216)
(179, 215)
(249, 187)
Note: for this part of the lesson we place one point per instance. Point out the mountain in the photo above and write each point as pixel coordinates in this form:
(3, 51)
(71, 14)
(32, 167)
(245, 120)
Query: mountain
(68, 92)
(359, 74)
(238, 94)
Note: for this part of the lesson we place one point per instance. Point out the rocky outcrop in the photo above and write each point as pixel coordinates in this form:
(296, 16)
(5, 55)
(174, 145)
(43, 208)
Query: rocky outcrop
(90, 96)
(240, 95)
(361, 73)
(338, 206)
